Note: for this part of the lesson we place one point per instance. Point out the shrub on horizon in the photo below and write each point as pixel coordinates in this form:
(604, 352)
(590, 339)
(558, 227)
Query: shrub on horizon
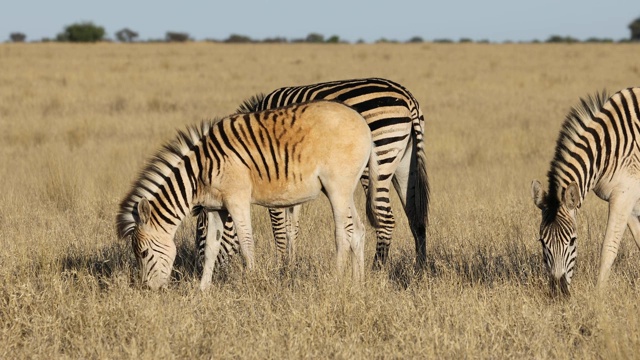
(81, 32)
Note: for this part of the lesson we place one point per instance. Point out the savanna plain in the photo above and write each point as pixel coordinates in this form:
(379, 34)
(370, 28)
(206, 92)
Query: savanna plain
(78, 123)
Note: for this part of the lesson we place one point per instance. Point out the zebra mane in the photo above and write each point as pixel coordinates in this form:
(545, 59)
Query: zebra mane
(579, 118)
(155, 172)
(251, 104)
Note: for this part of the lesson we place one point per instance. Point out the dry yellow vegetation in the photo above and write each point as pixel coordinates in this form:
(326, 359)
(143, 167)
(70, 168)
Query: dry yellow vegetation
(78, 122)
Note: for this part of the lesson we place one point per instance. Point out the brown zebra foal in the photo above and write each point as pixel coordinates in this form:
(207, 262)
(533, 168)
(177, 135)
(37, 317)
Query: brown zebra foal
(275, 158)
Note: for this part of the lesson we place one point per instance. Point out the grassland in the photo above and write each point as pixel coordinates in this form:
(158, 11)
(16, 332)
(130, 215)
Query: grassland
(78, 122)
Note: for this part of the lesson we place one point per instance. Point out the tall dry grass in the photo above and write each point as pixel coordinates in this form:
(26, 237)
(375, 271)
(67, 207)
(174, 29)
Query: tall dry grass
(78, 122)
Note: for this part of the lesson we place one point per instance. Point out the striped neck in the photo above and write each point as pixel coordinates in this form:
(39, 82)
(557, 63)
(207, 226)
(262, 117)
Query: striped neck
(580, 154)
(169, 182)
(170, 205)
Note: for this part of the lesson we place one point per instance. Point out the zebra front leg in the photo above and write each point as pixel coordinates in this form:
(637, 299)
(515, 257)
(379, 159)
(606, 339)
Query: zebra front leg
(230, 245)
(202, 224)
(213, 227)
(620, 208)
(242, 220)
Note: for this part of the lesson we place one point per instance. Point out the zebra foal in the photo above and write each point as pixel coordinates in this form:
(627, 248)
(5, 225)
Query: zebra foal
(396, 123)
(598, 149)
(276, 158)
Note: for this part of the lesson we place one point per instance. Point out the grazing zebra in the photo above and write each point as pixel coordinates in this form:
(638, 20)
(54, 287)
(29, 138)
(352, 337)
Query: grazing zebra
(597, 150)
(397, 126)
(276, 158)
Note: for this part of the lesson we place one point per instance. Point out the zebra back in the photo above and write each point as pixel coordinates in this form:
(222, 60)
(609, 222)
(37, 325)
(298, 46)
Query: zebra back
(367, 96)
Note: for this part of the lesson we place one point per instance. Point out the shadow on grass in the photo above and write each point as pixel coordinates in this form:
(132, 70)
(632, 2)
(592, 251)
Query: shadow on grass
(482, 267)
(117, 258)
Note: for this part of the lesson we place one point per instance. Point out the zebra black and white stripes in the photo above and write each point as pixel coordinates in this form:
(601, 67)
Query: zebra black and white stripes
(598, 149)
(276, 158)
(397, 127)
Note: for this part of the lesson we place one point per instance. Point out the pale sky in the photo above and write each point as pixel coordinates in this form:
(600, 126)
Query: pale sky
(494, 20)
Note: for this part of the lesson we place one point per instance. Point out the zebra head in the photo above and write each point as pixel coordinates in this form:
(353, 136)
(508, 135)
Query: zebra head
(558, 233)
(155, 250)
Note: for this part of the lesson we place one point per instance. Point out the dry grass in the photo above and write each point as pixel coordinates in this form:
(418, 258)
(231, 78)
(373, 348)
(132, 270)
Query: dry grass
(79, 121)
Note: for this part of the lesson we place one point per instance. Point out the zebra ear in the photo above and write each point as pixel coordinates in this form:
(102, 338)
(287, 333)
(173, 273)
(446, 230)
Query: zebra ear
(538, 194)
(572, 196)
(144, 211)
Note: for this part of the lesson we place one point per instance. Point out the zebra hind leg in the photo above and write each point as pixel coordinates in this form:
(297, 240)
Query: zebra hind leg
(411, 184)
(280, 228)
(356, 239)
(293, 225)
(385, 219)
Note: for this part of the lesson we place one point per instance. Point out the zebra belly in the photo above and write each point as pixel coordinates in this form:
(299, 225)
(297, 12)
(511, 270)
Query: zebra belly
(285, 195)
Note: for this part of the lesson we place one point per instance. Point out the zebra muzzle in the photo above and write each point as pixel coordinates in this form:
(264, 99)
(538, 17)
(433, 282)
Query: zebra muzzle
(560, 286)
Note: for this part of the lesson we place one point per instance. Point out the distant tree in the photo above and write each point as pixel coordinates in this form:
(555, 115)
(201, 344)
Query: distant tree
(465, 40)
(314, 38)
(562, 39)
(554, 39)
(126, 35)
(235, 38)
(82, 32)
(599, 40)
(18, 37)
(443, 41)
(416, 39)
(334, 39)
(386, 41)
(176, 36)
(635, 30)
(276, 39)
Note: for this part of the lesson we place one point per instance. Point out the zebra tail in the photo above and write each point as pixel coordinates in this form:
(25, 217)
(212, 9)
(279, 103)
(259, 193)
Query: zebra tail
(421, 200)
(374, 177)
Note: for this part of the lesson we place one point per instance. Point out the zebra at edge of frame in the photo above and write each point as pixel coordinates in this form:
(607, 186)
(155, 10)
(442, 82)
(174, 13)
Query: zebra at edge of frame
(598, 150)
(276, 158)
(397, 127)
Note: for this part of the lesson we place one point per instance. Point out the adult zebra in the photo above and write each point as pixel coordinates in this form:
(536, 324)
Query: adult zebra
(397, 126)
(597, 150)
(281, 157)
